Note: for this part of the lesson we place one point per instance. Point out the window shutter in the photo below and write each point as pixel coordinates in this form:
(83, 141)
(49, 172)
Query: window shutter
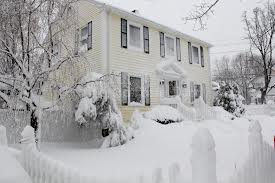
(192, 98)
(204, 92)
(202, 56)
(90, 33)
(190, 53)
(178, 49)
(146, 39)
(162, 45)
(147, 90)
(124, 88)
(123, 33)
(76, 42)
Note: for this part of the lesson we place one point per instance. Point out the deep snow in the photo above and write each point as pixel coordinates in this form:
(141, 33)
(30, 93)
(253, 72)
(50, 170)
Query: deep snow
(159, 146)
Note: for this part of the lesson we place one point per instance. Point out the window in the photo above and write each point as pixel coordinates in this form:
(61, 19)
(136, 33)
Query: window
(204, 92)
(162, 45)
(146, 39)
(83, 38)
(135, 36)
(123, 33)
(178, 49)
(170, 46)
(172, 88)
(135, 89)
(197, 91)
(55, 53)
(195, 55)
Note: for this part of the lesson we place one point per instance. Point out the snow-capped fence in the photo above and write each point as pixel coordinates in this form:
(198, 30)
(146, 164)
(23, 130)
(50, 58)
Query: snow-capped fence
(56, 126)
(203, 111)
(260, 165)
(42, 168)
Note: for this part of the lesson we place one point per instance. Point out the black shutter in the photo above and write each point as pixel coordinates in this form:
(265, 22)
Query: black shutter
(124, 88)
(190, 53)
(202, 56)
(90, 37)
(76, 42)
(146, 39)
(123, 33)
(204, 92)
(178, 49)
(147, 90)
(192, 97)
(162, 45)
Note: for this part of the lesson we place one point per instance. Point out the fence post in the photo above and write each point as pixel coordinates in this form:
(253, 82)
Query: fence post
(3, 136)
(255, 138)
(203, 157)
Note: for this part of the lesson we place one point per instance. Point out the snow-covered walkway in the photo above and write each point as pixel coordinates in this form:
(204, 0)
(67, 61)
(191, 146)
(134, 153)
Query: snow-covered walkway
(158, 146)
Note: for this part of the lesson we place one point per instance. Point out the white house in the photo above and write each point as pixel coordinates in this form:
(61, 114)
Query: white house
(155, 64)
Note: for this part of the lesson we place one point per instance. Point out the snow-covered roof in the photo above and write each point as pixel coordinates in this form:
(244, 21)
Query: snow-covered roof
(170, 68)
(139, 18)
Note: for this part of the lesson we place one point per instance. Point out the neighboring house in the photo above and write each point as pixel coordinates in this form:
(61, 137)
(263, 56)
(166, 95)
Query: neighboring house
(259, 83)
(156, 64)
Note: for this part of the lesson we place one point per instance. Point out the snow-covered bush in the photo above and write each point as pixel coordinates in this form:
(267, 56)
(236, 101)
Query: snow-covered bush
(135, 119)
(164, 114)
(97, 105)
(230, 99)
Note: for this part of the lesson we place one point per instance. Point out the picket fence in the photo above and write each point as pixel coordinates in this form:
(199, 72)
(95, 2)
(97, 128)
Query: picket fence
(258, 168)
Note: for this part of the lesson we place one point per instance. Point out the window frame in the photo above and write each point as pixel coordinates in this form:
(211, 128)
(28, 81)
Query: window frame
(165, 44)
(199, 54)
(81, 49)
(131, 47)
(195, 90)
(142, 103)
(164, 84)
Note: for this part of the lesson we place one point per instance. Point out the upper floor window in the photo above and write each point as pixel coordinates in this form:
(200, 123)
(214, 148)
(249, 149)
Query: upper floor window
(135, 36)
(195, 55)
(83, 38)
(170, 45)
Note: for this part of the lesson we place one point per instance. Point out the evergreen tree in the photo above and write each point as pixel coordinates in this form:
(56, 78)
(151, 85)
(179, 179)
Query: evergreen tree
(230, 99)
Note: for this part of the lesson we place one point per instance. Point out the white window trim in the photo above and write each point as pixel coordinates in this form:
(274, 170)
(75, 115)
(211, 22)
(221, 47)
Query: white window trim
(141, 37)
(195, 90)
(175, 46)
(142, 90)
(193, 61)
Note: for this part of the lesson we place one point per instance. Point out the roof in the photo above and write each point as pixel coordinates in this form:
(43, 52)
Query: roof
(134, 16)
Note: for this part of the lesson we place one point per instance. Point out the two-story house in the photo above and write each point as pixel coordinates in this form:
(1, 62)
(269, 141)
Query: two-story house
(156, 64)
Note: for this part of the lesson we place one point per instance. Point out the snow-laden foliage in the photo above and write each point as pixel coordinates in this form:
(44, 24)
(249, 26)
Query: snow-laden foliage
(97, 105)
(164, 114)
(230, 99)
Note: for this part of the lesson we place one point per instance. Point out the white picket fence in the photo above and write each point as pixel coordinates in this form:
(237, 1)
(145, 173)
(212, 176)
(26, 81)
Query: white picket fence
(258, 168)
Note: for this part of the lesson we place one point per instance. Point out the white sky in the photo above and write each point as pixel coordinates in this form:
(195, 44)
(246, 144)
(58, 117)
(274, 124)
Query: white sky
(225, 29)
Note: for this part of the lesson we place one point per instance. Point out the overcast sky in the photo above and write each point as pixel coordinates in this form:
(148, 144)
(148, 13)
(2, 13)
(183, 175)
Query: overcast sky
(225, 29)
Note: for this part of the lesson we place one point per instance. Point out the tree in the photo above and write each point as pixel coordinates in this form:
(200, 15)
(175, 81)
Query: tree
(200, 13)
(97, 105)
(241, 70)
(260, 30)
(230, 99)
(29, 33)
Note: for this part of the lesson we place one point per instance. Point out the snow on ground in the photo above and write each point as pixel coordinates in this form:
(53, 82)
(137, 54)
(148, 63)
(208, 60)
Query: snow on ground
(10, 169)
(158, 146)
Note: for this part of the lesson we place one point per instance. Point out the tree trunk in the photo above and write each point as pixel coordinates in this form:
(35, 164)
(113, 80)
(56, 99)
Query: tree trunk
(263, 99)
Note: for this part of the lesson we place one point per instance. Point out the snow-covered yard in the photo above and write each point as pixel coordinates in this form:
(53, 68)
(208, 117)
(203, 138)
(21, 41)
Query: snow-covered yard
(159, 146)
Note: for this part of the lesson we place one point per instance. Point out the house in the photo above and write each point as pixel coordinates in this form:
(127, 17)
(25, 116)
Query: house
(155, 64)
(258, 83)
